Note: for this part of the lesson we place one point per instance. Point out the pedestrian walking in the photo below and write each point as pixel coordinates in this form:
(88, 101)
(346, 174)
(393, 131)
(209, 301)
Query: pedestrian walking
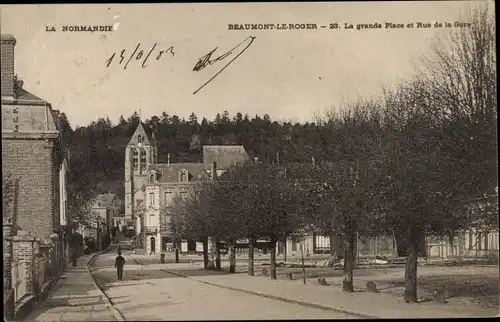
(119, 263)
(133, 244)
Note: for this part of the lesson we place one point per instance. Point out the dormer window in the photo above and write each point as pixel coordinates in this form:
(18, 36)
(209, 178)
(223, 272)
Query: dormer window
(152, 177)
(183, 176)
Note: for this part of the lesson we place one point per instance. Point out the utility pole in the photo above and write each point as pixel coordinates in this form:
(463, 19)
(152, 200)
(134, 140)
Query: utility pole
(302, 258)
(98, 235)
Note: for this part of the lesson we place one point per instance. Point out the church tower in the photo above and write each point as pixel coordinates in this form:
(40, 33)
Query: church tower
(140, 153)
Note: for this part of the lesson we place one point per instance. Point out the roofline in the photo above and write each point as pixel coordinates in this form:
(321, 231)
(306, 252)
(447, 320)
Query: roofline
(50, 134)
(14, 101)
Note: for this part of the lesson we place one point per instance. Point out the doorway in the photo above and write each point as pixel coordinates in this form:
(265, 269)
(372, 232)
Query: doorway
(153, 244)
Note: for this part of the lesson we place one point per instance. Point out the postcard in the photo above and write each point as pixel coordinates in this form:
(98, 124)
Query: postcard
(205, 161)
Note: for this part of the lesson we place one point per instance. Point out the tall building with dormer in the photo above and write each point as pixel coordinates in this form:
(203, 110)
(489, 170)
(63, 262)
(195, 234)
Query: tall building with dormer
(151, 187)
(34, 162)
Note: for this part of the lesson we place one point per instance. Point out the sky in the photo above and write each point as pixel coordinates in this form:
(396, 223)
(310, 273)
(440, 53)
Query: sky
(289, 74)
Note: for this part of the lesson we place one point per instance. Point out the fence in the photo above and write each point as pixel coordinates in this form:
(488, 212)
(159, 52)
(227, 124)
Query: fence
(19, 280)
(41, 271)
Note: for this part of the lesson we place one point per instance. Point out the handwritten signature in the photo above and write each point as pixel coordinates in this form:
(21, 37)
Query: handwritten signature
(207, 59)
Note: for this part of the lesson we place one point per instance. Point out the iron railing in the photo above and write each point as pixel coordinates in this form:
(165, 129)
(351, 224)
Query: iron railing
(151, 229)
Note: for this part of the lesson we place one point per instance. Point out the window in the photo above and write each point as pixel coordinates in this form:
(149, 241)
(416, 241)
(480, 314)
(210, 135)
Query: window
(143, 158)
(183, 176)
(152, 177)
(151, 199)
(139, 138)
(183, 195)
(168, 199)
(136, 159)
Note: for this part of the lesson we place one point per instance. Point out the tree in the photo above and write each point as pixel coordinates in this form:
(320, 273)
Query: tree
(193, 119)
(177, 223)
(241, 181)
(197, 220)
(344, 191)
(438, 125)
(195, 145)
(276, 202)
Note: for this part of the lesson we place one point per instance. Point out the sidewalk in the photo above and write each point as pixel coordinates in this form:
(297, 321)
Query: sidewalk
(73, 298)
(360, 303)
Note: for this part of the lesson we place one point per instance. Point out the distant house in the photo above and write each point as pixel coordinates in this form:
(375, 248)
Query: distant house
(107, 206)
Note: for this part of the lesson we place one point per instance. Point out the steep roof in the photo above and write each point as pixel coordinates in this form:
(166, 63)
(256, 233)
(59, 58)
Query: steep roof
(224, 155)
(144, 133)
(22, 94)
(105, 199)
(169, 173)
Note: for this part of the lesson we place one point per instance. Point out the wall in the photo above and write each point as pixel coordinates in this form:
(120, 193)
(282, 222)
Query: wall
(7, 62)
(31, 161)
(62, 194)
(483, 244)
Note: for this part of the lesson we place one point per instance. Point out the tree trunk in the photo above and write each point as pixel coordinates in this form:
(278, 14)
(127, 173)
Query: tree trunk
(272, 247)
(410, 294)
(177, 250)
(333, 250)
(250, 256)
(451, 240)
(232, 257)
(349, 258)
(205, 252)
(217, 254)
(284, 249)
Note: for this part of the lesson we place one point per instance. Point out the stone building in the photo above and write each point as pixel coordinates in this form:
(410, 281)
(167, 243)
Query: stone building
(151, 187)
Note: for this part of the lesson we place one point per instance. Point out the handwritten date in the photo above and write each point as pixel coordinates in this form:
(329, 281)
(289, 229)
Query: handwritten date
(138, 55)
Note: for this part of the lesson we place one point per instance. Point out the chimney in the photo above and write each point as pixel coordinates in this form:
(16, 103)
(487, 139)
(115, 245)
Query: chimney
(168, 160)
(213, 172)
(7, 65)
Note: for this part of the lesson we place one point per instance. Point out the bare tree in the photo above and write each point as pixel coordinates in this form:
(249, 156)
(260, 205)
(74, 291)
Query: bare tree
(177, 223)
(197, 220)
(347, 186)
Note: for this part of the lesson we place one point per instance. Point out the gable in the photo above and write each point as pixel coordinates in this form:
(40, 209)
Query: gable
(224, 156)
(140, 136)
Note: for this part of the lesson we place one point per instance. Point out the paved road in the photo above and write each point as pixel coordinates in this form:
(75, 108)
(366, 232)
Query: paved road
(146, 293)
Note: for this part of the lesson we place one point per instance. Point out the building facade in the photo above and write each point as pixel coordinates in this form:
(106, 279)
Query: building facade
(151, 187)
(32, 152)
(34, 161)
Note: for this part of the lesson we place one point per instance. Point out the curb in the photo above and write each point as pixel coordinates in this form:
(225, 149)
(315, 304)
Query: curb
(279, 298)
(136, 260)
(116, 313)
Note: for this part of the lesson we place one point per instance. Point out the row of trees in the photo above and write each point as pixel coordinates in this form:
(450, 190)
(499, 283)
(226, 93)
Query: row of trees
(419, 160)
